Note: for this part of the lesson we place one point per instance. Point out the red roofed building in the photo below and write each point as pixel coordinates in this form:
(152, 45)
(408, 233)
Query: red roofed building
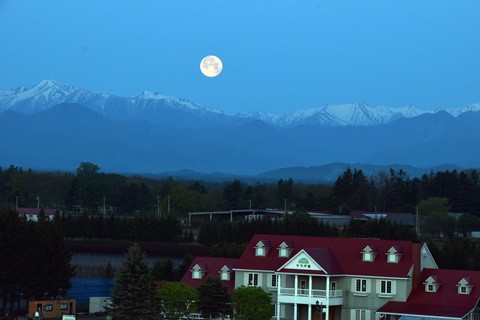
(348, 279)
(451, 294)
(31, 214)
(203, 267)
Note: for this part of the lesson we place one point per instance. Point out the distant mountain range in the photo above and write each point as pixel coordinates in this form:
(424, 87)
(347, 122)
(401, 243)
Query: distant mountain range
(54, 126)
(174, 112)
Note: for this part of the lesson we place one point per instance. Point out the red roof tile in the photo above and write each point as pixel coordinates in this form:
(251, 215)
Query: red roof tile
(211, 267)
(446, 302)
(347, 252)
(35, 211)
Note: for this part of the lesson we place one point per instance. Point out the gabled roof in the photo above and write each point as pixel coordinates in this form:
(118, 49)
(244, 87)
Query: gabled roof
(347, 253)
(326, 259)
(212, 268)
(265, 243)
(446, 302)
(289, 244)
(36, 211)
(370, 248)
(395, 249)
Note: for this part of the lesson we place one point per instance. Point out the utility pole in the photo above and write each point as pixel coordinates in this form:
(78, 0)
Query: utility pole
(104, 208)
(38, 202)
(16, 202)
(416, 221)
(168, 208)
(158, 207)
(250, 204)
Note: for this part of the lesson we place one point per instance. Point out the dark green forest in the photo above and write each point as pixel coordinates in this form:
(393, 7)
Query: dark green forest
(87, 188)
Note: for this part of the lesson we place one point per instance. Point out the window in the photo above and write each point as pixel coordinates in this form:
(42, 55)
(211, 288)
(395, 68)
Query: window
(360, 314)
(253, 279)
(283, 252)
(367, 256)
(430, 288)
(361, 285)
(463, 290)
(64, 306)
(225, 275)
(392, 258)
(260, 252)
(48, 307)
(196, 274)
(386, 287)
(274, 280)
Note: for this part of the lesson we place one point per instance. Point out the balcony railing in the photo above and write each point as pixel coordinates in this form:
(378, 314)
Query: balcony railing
(315, 293)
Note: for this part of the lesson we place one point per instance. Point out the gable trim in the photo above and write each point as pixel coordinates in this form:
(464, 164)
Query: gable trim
(296, 256)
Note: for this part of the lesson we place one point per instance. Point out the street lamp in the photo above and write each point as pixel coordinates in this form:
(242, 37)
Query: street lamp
(319, 308)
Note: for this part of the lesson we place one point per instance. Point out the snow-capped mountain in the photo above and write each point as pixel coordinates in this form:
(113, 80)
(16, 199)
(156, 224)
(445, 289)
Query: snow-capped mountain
(153, 107)
(176, 112)
(354, 114)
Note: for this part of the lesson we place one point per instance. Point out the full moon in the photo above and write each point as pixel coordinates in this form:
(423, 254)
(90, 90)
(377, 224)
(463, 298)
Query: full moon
(211, 66)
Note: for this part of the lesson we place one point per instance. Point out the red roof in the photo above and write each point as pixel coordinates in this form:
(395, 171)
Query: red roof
(35, 211)
(346, 252)
(211, 267)
(446, 302)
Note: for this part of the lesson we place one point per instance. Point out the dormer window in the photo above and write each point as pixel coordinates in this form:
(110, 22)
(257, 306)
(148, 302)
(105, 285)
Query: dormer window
(285, 249)
(261, 249)
(464, 286)
(394, 254)
(225, 273)
(198, 271)
(431, 284)
(369, 253)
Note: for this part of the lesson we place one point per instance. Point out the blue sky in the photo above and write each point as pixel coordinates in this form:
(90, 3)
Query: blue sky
(278, 55)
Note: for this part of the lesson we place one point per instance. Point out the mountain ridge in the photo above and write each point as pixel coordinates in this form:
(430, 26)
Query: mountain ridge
(178, 112)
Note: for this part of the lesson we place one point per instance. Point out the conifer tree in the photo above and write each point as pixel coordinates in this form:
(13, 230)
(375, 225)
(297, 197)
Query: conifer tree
(213, 301)
(134, 292)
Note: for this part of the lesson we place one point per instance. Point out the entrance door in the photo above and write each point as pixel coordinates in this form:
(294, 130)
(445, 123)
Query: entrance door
(303, 287)
(334, 285)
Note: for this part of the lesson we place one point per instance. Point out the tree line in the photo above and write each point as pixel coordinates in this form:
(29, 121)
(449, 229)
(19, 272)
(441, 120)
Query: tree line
(34, 262)
(137, 296)
(88, 189)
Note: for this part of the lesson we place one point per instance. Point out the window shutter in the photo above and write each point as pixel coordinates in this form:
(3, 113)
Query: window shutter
(354, 285)
(379, 285)
(367, 315)
(353, 314)
(369, 285)
(394, 287)
(282, 311)
(260, 283)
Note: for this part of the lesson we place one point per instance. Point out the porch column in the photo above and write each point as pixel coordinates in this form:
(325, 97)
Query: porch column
(296, 286)
(309, 288)
(327, 308)
(309, 311)
(279, 282)
(295, 312)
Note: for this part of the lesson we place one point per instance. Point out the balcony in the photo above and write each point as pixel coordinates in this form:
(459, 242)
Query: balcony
(305, 296)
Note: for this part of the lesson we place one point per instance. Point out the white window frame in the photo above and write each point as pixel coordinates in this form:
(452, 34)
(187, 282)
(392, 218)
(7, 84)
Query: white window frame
(225, 276)
(363, 285)
(367, 257)
(430, 288)
(197, 274)
(360, 314)
(252, 278)
(384, 286)
(274, 281)
(260, 252)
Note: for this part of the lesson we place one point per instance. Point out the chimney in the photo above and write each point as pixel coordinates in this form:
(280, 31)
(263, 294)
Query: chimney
(417, 258)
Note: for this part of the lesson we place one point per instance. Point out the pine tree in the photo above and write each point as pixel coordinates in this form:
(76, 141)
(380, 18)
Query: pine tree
(213, 300)
(184, 265)
(134, 292)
